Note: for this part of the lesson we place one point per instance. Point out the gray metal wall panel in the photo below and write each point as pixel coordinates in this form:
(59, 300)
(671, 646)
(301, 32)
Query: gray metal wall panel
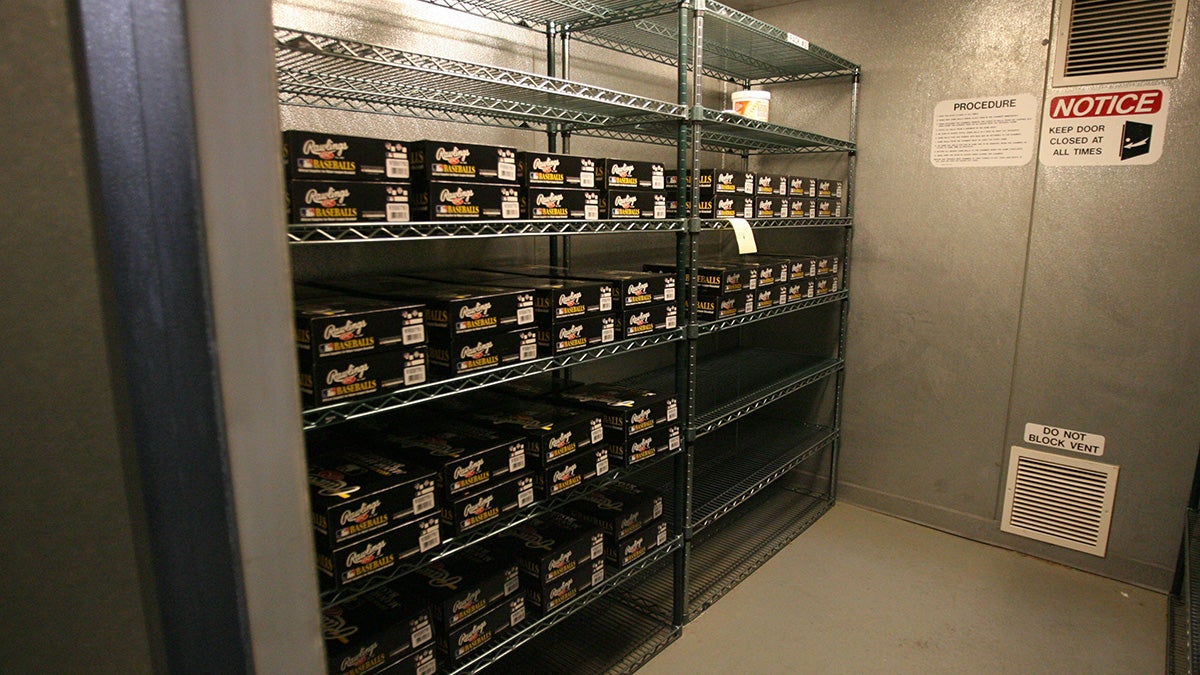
(1105, 316)
(72, 587)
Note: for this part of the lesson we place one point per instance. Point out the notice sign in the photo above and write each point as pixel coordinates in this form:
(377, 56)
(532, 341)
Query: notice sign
(1104, 128)
(1064, 439)
(983, 131)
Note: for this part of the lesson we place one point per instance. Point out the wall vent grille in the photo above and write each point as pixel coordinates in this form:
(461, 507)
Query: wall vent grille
(1102, 41)
(1059, 500)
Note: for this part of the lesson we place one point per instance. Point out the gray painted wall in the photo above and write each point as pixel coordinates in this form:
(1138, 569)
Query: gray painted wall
(71, 595)
(987, 298)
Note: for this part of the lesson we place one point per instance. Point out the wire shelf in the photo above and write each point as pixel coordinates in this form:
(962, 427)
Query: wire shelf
(730, 474)
(617, 633)
(540, 14)
(737, 47)
(724, 556)
(328, 233)
(730, 132)
(536, 626)
(348, 410)
(774, 223)
(462, 542)
(1191, 590)
(1178, 648)
(320, 71)
(760, 314)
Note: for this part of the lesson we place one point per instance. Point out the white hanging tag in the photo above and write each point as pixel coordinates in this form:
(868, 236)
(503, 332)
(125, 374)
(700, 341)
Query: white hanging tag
(744, 235)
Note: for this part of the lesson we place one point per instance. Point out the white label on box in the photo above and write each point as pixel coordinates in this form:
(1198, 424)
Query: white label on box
(598, 576)
(797, 40)
(525, 498)
(429, 540)
(673, 443)
(672, 411)
(413, 334)
(670, 323)
(608, 334)
(1104, 128)
(662, 536)
(605, 302)
(414, 375)
(660, 211)
(396, 168)
(1064, 439)
(669, 291)
(516, 461)
(524, 316)
(506, 171)
(510, 210)
(602, 466)
(511, 585)
(427, 668)
(587, 179)
(422, 503)
(397, 213)
(528, 352)
(591, 212)
(983, 132)
(517, 616)
(657, 182)
(422, 635)
(597, 433)
(743, 235)
(657, 509)
(598, 549)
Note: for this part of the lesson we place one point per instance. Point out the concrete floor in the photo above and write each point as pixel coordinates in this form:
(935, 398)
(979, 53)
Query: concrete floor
(861, 592)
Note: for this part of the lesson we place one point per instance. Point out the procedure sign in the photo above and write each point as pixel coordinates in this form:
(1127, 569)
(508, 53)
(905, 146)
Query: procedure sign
(983, 132)
(1111, 127)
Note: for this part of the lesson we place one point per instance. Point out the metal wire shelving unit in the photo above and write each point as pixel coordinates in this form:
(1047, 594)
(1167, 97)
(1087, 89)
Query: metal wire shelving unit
(732, 505)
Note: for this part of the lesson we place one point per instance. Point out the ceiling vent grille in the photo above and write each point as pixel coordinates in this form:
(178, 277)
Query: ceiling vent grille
(1059, 500)
(1102, 41)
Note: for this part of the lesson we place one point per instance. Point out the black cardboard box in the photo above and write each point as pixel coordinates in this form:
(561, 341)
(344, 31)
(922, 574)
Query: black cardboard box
(315, 156)
(629, 450)
(553, 299)
(577, 469)
(482, 505)
(460, 645)
(643, 321)
(812, 287)
(354, 491)
(554, 170)
(551, 432)
(737, 206)
(801, 186)
(567, 336)
(331, 324)
(720, 276)
(802, 207)
(445, 160)
(768, 270)
(626, 411)
(770, 207)
(771, 185)
(716, 182)
(637, 204)
(628, 550)
(622, 175)
(619, 509)
(378, 553)
(828, 208)
(712, 305)
(463, 200)
(311, 201)
(550, 547)
(632, 288)
(452, 355)
(373, 631)
(421, 662)
(826, 187)
(461, 308)
(357, 375)
(765, 298)
(544, 203)
(549, 597)
(465, 457)
(464, 586)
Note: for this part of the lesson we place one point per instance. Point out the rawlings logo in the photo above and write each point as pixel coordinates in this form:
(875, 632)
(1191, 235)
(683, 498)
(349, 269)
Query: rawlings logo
(476, 311)
(468, 602)
(455, 156)
(570, 332)
(345, 331)
(362, 513)
(634, 546)
(725, 204)
(328, 198)
(334, 626)
(560, 562)
(622, 170)
(474, 634)
(368, 554)
(562, 590)
(639, 289)
(641, 446)
(365, 654)
(638, 418)
(439, 577)
(551, 200)
(478, 351)
(457, 197)
(565, 473)
(725, 178)
(469, 469)
(626, 202)
(350, 375)
(548, 165)
(478, 507)
(561, 441)
(639, 319)
(570, 299)
(327, 150)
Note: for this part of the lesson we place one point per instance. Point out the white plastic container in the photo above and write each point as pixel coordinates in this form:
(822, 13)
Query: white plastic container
(753, 104)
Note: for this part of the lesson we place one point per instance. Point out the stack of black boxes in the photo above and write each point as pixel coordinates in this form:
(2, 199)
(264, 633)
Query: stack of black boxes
(816, 197)
(559, 557)
(561, 187)
(464, 181)
(333, 178)
(636, 190)
(630, 517)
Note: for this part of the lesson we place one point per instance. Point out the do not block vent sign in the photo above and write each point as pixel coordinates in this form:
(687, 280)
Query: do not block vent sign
(1104, 128)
